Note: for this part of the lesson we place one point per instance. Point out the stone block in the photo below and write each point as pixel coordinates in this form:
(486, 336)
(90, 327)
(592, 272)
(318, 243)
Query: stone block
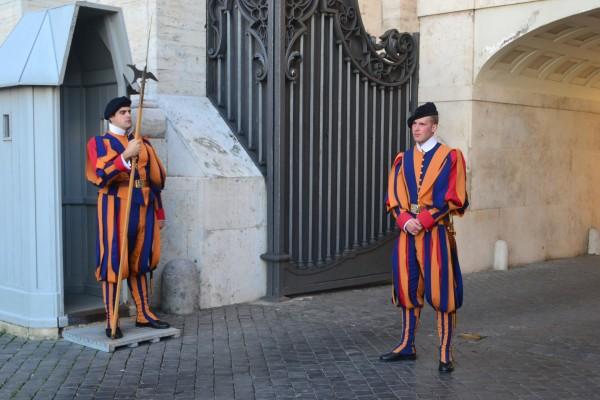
(231, 270)
(501, 256)
(148, 102)
(371, 14)
(428, 7)
(218, 212)
(9, 16)
(446, 37)
(497, 3)
(594, 242)
(179, 287)
(455, 124)
(401, 15)
(154, 122)
(182, 163)
(208, 139)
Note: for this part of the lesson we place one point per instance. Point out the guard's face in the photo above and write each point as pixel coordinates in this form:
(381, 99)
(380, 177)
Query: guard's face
(423, 129)
(122, 118)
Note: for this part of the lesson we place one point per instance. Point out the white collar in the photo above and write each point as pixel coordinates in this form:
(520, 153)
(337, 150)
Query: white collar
(428, 145)
(116, 130)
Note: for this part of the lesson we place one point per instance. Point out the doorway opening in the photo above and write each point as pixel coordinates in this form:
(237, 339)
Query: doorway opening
(90, 82)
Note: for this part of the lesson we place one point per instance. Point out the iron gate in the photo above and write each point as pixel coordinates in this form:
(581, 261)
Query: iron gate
(321, 107)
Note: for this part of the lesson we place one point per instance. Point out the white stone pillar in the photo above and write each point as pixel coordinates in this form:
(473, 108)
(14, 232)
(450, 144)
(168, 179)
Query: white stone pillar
(594, 242)
(501, 256)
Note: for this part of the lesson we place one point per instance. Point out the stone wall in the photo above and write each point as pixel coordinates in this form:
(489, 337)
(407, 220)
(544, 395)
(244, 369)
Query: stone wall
(534, 181)
(400, 14)
(381, 15)
(181, 43)
(372, 16)
(530, 154)
(10, 12)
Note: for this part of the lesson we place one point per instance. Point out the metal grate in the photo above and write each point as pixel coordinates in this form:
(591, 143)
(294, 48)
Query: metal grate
(321, 106)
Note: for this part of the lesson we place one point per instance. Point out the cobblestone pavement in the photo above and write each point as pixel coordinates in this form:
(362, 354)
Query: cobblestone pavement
(540, 325)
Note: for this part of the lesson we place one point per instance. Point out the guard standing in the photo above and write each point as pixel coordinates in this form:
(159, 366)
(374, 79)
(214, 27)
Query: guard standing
(426, 187)
(109, 167)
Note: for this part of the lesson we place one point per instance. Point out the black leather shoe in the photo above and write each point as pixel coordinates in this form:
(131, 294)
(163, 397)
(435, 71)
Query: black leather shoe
(118, 333)
(391, 357)
(446, 367)
(153, 324)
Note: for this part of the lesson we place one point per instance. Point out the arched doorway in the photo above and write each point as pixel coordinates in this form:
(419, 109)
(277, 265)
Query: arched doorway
(535, 144)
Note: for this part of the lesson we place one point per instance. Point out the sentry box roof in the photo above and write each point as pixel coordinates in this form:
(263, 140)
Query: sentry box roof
(36, 51)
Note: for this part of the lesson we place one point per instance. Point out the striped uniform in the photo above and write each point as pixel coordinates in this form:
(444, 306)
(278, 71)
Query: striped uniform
(105, 169)
(426, 266)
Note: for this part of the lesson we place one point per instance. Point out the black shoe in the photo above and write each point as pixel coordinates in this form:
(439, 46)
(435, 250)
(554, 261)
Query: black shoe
(446, 367)
(153, 324)
(391, 357)
(118, 333)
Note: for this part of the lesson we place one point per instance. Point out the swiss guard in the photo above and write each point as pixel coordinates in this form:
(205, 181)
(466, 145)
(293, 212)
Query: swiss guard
(109, 161)
(426, 187)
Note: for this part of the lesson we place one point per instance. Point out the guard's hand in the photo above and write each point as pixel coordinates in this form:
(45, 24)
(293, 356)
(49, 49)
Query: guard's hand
(162, 223)
(414, 226)
(133, 149)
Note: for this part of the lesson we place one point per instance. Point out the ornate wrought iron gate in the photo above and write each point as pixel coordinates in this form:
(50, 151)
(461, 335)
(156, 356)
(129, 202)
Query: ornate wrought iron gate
(321, 107)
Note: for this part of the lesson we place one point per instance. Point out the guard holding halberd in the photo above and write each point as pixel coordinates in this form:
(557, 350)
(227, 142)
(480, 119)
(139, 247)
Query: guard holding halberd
(109, 167)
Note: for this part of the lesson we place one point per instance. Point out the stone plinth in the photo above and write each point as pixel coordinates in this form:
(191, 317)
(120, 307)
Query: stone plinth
(501, 256)
(594, 242)
(93, 335)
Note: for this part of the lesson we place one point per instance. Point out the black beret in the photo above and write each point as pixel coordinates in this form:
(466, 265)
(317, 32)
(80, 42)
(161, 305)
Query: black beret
(425, 110)
(113, 106)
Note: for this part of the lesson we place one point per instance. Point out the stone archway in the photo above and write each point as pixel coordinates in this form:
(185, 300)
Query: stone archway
(535, 142)
(517, 84)
(561, 58)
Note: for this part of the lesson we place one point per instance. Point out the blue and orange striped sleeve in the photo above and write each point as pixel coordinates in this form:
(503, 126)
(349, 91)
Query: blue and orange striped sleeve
(104, 165)
(449, 191)
(396, 190)
(158, 176)
(158, 173)
(391, 199)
